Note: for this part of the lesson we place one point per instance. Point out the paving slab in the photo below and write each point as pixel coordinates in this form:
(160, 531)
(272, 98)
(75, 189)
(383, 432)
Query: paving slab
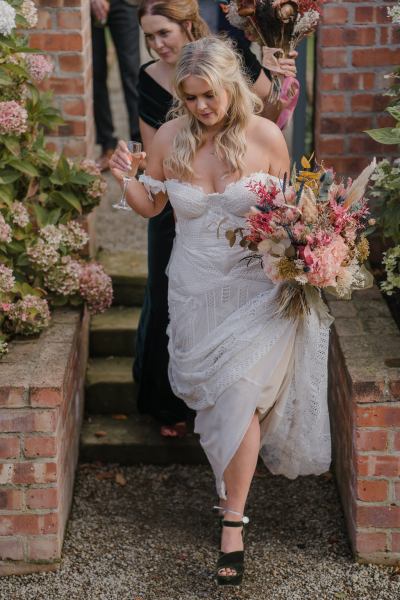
(114, 332)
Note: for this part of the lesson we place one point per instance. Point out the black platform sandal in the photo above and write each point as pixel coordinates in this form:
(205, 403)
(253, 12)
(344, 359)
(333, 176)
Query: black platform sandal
(231, 560)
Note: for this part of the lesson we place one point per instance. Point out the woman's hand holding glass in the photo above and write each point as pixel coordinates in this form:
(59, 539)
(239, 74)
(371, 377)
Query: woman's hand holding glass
(124, 165)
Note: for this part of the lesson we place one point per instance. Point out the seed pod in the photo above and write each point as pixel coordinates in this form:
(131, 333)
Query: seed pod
(246, 8)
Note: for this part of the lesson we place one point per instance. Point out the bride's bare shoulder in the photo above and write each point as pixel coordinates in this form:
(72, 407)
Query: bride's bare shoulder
(168, 130)
(265, 131)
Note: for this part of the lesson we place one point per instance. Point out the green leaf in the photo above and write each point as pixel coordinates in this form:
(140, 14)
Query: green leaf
(12, 144)
(8, 176)
(386, 135)
(394, 111)
(25, 167)
(41, 215)
(6, 193)
(15, 69)
(5, 79)
(72, 200)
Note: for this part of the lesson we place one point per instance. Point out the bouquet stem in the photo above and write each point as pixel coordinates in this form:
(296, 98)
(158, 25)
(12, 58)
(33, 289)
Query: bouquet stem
(292, 302)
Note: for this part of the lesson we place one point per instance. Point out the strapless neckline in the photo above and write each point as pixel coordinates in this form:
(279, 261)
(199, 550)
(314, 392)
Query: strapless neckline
(228, 187)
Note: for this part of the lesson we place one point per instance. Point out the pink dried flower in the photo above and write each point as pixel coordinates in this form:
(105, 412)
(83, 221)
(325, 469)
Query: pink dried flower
(74, 237)
(7, 279)
(43, 255)
(95, 287)
(39, 66)
(13, 118)
(5, 231)
(327, 262)
(28, 316)
(99, 185)
(19, 214)
(63, 279)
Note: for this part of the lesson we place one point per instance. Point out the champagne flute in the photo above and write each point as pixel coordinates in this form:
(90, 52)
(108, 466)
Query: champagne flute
(134, 148)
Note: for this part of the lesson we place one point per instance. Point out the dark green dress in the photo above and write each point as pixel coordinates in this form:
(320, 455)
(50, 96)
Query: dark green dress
(150, 369)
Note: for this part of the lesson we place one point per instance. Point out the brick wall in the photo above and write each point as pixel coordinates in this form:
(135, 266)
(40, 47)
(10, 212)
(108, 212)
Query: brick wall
(357, 45)
(63, 31)
(41, 405)
(365, 420)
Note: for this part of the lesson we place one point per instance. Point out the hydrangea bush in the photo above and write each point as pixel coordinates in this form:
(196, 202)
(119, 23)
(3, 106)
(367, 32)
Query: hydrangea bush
(386, 180)
(43, 196)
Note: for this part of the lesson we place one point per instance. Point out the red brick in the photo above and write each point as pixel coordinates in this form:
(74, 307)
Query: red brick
(378, 416)
(396, 441)
(45, 547)
(49, 523)
(69, 20)
(72, 128)
(384, 121)
(20, 421)
(366, 543)
(344, 125)
(372, 490)
(333, 58)
(75, 148)
(335, 15)
(40, 446)
(362, 465)
(371, 440)
(338, 37)
(11, 548)
(376, 57)
(35, 472)
(53, 42)
(44, 19)
(74, 107)
(13, 397)
(349, 165)
(45, 397)
(9, 447)
(71, 62)
(11, 499)
(363, 144)
(368, 102)
(378, 516)
(385, 466)
(40, 498)
(70, 86)
(395, 542)
(6, 472)
(328, 145)
(332, 103)
(26, 524)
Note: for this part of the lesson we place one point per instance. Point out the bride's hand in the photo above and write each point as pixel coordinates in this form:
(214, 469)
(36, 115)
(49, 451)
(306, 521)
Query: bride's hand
(288, 64)
(123, 162)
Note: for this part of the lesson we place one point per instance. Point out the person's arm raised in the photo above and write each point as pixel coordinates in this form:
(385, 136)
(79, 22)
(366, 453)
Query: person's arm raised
(138, 197)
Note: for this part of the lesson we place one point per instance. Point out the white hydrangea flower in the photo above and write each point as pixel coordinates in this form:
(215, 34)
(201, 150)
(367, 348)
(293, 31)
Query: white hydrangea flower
(394, 13)
(29, 11)
(7, 18)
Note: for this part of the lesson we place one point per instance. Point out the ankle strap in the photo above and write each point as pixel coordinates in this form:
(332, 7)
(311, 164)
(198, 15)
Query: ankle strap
(240, 523)
(244, 520)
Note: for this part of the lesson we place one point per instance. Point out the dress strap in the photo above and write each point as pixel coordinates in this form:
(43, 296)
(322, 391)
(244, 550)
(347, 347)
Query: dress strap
(153, 186)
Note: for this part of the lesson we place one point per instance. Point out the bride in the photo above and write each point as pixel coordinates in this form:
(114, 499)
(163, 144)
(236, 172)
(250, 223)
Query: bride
(258, 383)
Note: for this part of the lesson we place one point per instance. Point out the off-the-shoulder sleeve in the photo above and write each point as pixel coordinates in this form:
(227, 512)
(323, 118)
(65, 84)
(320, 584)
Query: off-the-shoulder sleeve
(153, 186)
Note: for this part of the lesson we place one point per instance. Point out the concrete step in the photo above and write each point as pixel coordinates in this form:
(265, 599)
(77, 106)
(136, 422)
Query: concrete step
(113, 333)
(109, 386)
(128, 271)
(135, 440)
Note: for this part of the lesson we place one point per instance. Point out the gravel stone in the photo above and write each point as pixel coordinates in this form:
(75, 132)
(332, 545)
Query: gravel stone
(155, 538)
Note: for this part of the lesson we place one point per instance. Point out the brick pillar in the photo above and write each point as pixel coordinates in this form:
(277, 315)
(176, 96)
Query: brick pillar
(357, 45)
(63, 31)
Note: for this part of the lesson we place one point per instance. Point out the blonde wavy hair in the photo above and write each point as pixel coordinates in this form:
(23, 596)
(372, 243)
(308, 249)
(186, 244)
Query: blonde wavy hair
(214, 60)
(178, 11)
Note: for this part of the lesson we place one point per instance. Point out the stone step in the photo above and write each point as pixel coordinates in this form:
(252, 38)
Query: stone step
(109, 386)
(113, 333)
(128, 271)
(135, 440)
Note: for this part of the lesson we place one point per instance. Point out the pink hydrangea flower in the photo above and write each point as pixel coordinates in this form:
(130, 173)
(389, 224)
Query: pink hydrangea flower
(5, 231)
(19, 214)
(28, 316)
(7, 279)
(43, 255)
(13, 118)
(95, 287)
(74, 237)
(327, 262)
(29, 11)
(63, 279)
(39, 66)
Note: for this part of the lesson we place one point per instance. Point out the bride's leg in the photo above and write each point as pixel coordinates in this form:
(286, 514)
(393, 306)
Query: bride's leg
(238, 476)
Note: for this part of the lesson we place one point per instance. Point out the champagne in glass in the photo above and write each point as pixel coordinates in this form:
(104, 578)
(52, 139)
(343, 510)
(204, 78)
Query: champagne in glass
(135, 149)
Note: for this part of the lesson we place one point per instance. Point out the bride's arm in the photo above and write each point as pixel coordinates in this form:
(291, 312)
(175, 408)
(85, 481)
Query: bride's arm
(275, 148)
(140, 197)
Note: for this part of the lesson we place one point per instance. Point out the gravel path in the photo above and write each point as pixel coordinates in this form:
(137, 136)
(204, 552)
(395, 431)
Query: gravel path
(156, 539)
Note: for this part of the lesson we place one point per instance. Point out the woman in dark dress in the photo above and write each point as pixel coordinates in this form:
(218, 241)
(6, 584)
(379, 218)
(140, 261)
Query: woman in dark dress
(168, 25)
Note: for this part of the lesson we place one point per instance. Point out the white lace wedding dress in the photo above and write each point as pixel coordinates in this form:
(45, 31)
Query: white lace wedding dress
(230, 355)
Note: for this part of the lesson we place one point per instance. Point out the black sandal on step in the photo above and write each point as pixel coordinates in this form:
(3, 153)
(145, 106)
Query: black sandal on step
(231, 560)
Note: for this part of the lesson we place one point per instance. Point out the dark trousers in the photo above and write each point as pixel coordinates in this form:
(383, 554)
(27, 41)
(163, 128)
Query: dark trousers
(123, 24)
